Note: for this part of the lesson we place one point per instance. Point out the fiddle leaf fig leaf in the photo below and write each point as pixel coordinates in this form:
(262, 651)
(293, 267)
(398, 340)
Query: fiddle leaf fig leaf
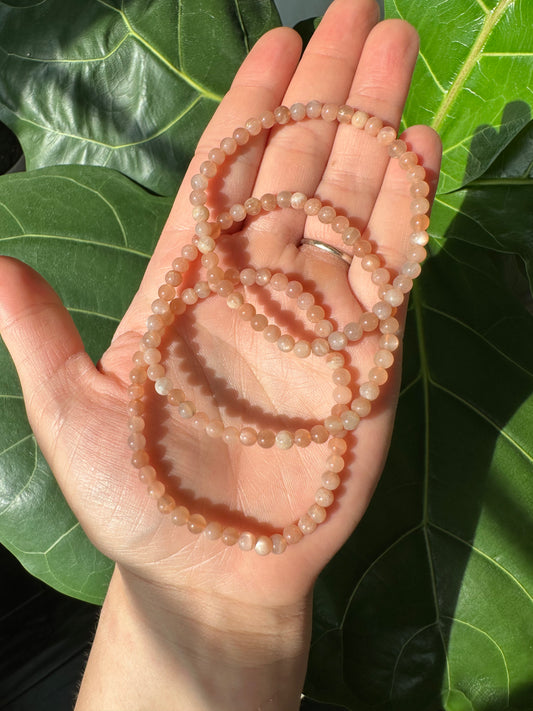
(474, 75)
(90, 232)
(129, 86)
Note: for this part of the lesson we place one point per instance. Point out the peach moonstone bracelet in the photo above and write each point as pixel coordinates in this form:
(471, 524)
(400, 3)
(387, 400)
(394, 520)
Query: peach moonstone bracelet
(350, 402)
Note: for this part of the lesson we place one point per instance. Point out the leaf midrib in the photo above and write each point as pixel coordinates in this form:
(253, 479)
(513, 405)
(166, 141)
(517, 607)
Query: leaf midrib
(491, 21)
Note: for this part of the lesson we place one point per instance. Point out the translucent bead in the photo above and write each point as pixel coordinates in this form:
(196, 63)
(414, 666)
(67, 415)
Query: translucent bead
(199, 421)
(163, 386)
(330, 480)
(340, 224)
(180, 516)
(241, 136)
(246, 312)
(341, 376)
(228, 145)
(319, 434)
(186, 409)
(198, 197)
(230, 536)
(166, 504)
(342, 394)
(292, 534)
(378, 375)
(225, 220)
(335, 463)
(200, 213)
(279, 544)
(230, 435)
(419, 189)
(314, 109)
(266, 438)
(386, 135)
(147, 474)
(298, 201)
(416, 253)
(259, 322)
(403, 283)
(206, 244)
(271, 333)
(317, 513)
(302, 438)
(302, 349)
(263, 276)
(382, 310)
(305, 301)
(350, 236)
(247, 276)
(411, 269)
(156, 489)
(397, 148)
(138, 375)
(323, 328)
(155, 371)
(294, 289)
(337, 445)
(268, 202)
(337, 341)
(370, 391)
(247, 541)
(359, 119)
(312, 206)
(202, 289)
(419, 206)
(394, 297)
(238, 212)
(315, 313)
(380, 276)
(196, 523)
(248, 436)
(324, 497)
(213, 530)
(235, 300)
(389, 325)
(252, 206)
(155, 323)
(298, 112)
(166, 292)
(199, 182)
(345, 113)
(173, 278)
(279, 282)
(384, 358)
(286, 343)
(388, 342)
(175, 397)
(361, 248)
(136, 440)
(306, 524)
(217, 155)
(140, 459)
(373, 125)
(361, 406)
(327, 214)
(419, 222)
(329, 112)
(136, 423)
(369, 321)
(267, 119)
(334, 360)
(420, 238)
(407, 159)
(333, 425)
(263, 545)
(320, 347)
(284, 439)
(282, 115)
(209, 261)
(353, 331)
(189, 296)
(416, 173)
(253, 126)
(215, 429)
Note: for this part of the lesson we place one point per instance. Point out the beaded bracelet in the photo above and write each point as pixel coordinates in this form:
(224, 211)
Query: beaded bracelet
(328, 343)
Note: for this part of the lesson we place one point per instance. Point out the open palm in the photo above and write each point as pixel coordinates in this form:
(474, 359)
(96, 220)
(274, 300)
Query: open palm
(78, 412)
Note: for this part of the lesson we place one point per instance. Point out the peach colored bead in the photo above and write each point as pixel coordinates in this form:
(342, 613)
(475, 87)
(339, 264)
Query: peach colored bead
(285, 343)
(259, 322)
(228, 145)
(267, 119)
(284, 439)
(319, 434)
(283, 199)
(263, 276)
(252, 206)
(315, 313)
(350, 236)
(279, 544)
(298, 112)
(196, 523)
(317, 513)
(337, 445)
(213, 530)
(312, 206)
(330, 480)
(230, 435)
(246, 312)
(248, 436)
(279, 282)
(335, 463)
(247, 541)
(298, 201)
(345, 113)
(333, 425)
(329, 112)
(266, 438)
(269, 202)
(302, 437)
(263, 545)
(282, 115)
(388, 342)
(238, 212)
(390, 325)
(217, 155)
(253, 126)
(334, 360)
(186, 409)
(378, 375)
(147, 474)
(326, 214)
(342, 394)
(397, 148)
(386, 135)
(156, 489)
(180, 516)
(271, 333)
(166, 504)
(215, 428)
(340, 224)
(175, 396)
(302, 349)
(199, 421)
(314, 109)
(140, 459)
(241, 136)
(370, 391)
(306, 524)
(292, 534)
(374, 125)
(359, 119)
(230, 536)
(324, 497)
(361, 406)
(319, 347)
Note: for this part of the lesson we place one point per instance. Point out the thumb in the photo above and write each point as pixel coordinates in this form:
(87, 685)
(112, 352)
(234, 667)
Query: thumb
(45, 346)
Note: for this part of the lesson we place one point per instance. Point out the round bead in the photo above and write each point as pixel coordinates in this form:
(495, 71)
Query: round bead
(319, 434)
(335, 463)
(302, 438)
(230, 536)
(330, 480)
(342, 394)
(324, 497)
(147, 474)
(384, 358)
(361, 406)
(286, 343)
(370, 391)
(266, 438)
(317, 513)
(292, 534)
(215, 429)
(196, 523)
(248, 436)
(166, 504)
(337, 341)
(247, 541)
(302, 349)
(320, 347)
(263, 545)
(213, 530)
(180, 516)
(284, 439)
(279, 544)
(156, 489)
(306, 524)
(337, 445)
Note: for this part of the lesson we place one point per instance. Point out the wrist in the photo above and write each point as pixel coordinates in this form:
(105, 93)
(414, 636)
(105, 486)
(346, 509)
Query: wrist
(189, 649)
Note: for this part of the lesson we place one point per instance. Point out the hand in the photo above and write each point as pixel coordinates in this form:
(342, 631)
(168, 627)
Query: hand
(78, 411)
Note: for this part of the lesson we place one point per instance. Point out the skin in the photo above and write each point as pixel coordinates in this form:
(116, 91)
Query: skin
(189, 624)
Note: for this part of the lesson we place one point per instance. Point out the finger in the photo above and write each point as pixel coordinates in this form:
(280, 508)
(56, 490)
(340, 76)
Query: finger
(258, 85)
(45, 346)
(325, 73)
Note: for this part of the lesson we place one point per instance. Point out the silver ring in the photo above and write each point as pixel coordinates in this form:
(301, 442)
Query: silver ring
(328, 248)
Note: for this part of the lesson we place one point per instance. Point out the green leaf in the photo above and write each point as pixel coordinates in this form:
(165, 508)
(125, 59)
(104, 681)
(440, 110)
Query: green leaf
(431, 601)
(128, 86)
(474, 75)
(90, 232)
